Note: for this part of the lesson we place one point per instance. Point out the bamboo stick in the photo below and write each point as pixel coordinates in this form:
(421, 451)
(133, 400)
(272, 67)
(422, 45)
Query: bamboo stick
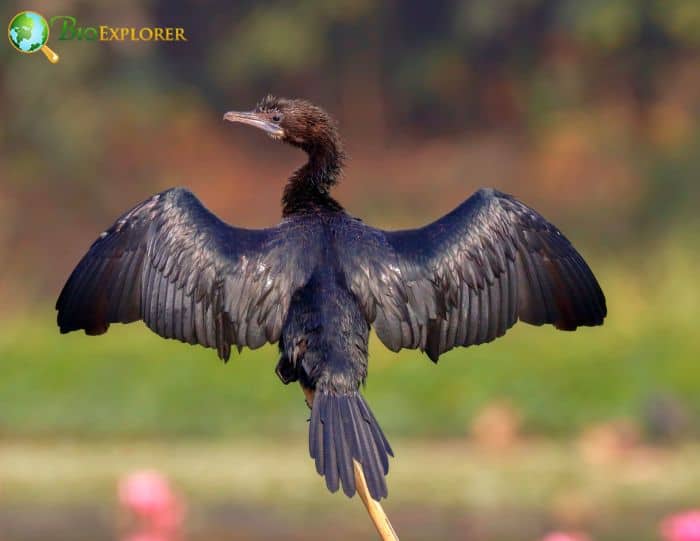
(374, 508)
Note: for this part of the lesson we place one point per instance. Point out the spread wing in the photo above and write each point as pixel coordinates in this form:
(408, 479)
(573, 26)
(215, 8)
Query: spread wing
(468, 277)
(187, 275)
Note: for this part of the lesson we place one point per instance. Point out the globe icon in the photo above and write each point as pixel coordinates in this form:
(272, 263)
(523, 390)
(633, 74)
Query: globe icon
(28, 32)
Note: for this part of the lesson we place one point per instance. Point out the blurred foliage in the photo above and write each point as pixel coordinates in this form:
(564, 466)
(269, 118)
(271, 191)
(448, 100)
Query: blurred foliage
(240, 489)
(132, 383)
(586, 110)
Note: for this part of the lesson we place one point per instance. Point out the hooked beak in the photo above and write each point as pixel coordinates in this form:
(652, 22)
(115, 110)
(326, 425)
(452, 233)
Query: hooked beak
(256, 120)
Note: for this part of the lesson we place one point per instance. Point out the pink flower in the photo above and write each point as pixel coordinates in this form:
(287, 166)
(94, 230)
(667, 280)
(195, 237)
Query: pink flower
(682, 527)
(566, 536)
(147, 495)
(148, 536)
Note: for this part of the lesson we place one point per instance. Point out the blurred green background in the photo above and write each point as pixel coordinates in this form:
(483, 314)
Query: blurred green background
(587, 111)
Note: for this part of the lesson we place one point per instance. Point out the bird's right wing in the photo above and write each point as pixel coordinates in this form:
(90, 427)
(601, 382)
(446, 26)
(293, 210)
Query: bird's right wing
(187, 275)
(469, 276)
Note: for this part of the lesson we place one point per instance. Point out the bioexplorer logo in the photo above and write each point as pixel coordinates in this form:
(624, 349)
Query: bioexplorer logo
(28, 32)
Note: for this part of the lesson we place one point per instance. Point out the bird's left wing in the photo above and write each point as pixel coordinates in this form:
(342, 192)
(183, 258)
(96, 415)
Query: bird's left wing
(469, 276)
(187, 275)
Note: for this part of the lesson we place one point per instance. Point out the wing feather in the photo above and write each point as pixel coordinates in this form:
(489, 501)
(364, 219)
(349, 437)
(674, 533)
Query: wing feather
(468, 277)
(188, 276)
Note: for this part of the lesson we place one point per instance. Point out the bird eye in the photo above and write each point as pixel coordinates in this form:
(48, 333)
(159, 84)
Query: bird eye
(276, 118)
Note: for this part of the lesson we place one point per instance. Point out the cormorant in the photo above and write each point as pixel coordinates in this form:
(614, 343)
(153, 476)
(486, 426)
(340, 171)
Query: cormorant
(318, 280)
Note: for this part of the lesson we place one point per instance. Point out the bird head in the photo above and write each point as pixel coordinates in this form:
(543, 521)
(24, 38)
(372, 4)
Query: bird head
(293, 121)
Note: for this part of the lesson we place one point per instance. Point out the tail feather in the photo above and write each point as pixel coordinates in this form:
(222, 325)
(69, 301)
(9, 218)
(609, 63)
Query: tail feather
(343, 429)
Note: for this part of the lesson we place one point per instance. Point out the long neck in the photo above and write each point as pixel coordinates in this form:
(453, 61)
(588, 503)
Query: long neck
(308, 188)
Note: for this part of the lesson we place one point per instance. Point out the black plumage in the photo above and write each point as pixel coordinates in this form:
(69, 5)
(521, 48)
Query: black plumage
(318, 280)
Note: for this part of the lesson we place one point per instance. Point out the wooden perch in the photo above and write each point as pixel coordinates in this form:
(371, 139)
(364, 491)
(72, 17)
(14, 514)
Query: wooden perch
(374, 508)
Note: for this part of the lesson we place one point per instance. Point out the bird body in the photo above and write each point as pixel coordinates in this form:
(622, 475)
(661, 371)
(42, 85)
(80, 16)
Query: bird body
(325, 329)
(317, 281)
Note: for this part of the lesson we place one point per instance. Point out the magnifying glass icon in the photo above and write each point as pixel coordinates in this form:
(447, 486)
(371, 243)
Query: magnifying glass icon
(28, 32)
